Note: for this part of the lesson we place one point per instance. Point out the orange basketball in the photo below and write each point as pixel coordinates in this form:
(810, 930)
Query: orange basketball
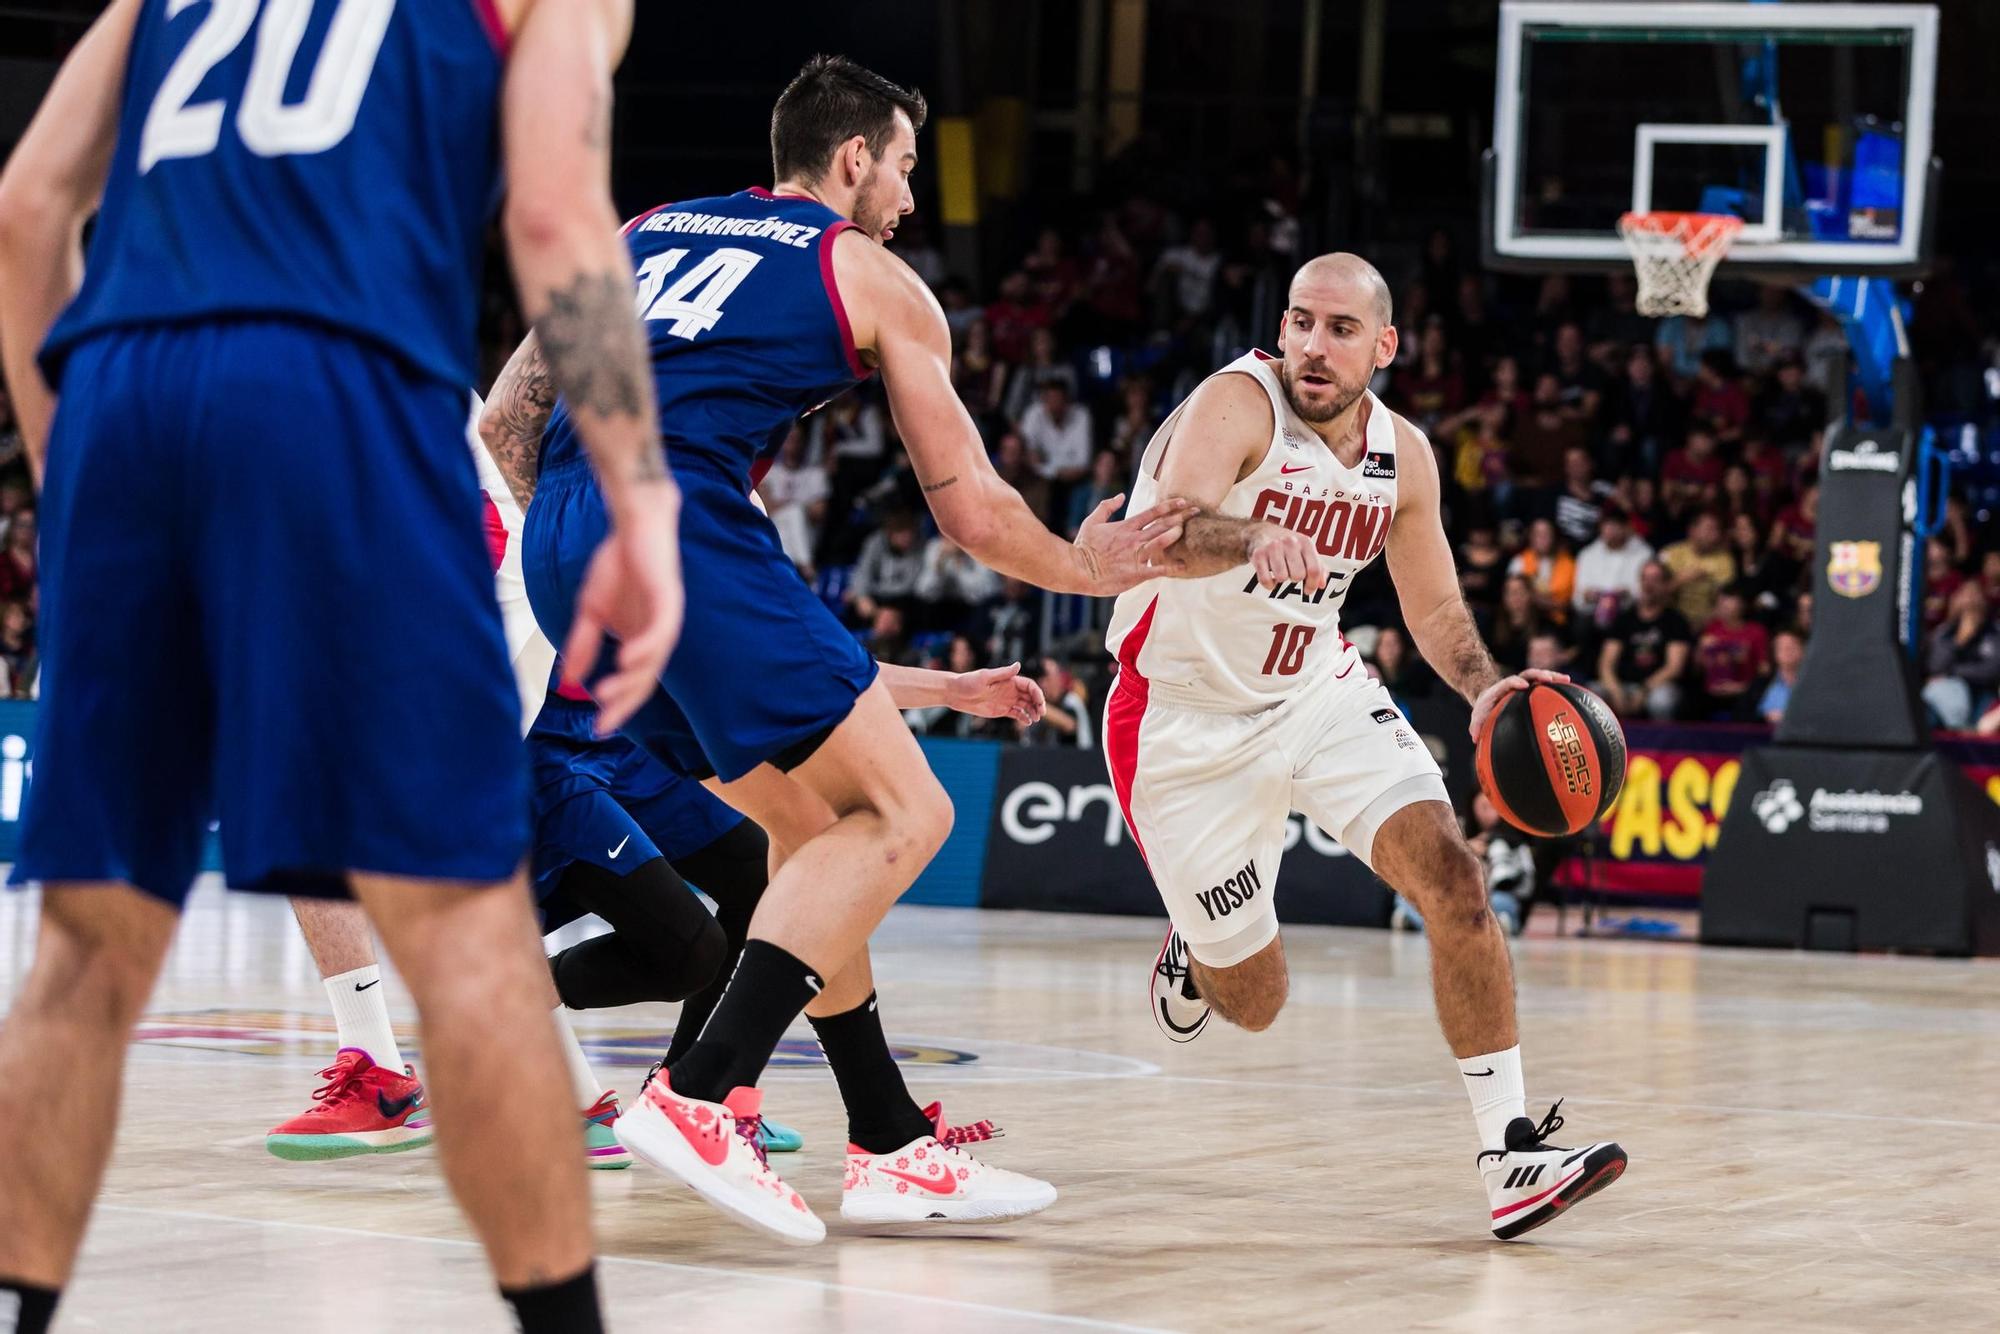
(1551, 758)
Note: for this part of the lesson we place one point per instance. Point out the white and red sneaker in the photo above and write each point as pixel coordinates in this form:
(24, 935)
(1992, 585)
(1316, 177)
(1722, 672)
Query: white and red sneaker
(932, 1180)
(1531, 1181)
(714, 1148)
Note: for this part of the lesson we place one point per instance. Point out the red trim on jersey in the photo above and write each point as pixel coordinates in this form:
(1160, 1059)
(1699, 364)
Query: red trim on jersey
(1262, 355)
(762, 193)
(564, 690)
(496, 531)
(1122, 715)
(496, 27)
(757, 470)
(626, 230)
(854, 362)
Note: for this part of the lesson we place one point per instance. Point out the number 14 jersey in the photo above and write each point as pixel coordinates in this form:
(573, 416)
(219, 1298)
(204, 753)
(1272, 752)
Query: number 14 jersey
(1224, 643)
(745, 326)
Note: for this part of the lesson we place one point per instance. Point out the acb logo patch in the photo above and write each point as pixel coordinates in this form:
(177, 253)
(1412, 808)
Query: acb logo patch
(1854, 569)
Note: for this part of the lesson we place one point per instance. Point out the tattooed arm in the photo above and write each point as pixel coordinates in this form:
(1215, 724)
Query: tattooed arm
(575, 280)
(516, 411)
(571, 266)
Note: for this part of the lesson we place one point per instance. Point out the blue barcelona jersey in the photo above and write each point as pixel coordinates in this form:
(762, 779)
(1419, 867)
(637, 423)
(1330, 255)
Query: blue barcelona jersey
(333, 164)
(745, 325)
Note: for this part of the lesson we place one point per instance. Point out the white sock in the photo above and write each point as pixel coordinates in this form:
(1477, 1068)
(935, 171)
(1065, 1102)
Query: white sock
(585, 1084)
(1494, 1084)
(362, 1016)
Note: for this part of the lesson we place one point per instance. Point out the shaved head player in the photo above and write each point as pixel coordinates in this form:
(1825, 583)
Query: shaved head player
(1238, 701)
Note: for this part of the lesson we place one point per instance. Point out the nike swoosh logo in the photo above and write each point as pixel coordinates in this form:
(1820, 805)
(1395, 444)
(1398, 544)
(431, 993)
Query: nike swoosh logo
(706, 1140)
(1287, 470)
(363, 986)
(940, 1182)
(391, 1108)
(1480, 1074)
(613, 854)
(814, 983)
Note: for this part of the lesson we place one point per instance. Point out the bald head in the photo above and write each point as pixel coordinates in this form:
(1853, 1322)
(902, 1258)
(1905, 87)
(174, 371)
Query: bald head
(1343, 279)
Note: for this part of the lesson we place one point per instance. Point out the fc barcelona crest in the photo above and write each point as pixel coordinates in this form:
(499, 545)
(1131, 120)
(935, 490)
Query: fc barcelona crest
(1854, 569)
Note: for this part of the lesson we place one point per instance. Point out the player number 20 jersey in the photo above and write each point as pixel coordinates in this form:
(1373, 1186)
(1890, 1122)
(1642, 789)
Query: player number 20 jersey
(1225, 643)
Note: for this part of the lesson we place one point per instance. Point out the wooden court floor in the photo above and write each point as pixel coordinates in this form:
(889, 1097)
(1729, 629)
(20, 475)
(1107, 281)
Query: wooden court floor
(1813, 1142)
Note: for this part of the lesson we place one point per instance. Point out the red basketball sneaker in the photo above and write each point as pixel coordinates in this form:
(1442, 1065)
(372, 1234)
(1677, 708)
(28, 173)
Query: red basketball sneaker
(361, 1108)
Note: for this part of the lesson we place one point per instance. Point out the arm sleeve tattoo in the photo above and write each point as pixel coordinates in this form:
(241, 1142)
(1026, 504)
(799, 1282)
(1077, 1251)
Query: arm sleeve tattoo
(596, 358)
(516, 413)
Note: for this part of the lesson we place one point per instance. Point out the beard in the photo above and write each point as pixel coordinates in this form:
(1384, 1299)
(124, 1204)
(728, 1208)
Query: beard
(869, 215)
(1343, 395)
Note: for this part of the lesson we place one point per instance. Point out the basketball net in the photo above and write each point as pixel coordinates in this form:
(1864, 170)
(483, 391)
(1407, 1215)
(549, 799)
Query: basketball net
(1676, 255)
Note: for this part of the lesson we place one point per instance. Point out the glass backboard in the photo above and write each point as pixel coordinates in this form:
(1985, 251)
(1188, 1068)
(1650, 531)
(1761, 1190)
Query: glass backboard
(1811, 122)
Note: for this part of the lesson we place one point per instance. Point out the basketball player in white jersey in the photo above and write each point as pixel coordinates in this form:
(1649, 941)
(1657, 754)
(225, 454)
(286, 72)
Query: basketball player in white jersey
(1238, 701)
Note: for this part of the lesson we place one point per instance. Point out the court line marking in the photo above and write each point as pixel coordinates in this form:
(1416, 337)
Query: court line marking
(709, 1271)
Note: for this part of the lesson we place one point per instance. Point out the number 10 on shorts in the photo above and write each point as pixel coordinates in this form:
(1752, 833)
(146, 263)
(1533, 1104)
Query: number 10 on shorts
(1288, 649)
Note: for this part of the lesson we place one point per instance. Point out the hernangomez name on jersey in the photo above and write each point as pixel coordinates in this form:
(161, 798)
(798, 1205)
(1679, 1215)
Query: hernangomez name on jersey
(1223, 642)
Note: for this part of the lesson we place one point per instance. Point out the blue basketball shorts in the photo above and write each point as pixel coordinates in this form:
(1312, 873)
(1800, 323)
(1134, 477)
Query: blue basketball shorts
(608, 802)
(267, 600)
(763, 671)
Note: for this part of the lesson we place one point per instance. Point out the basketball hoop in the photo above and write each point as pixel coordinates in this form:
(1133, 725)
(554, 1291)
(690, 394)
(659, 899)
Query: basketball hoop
(1676, 255)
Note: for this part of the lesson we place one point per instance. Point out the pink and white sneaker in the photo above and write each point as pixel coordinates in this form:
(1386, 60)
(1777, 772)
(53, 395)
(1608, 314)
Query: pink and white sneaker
(932, 1180)
(715, 1149)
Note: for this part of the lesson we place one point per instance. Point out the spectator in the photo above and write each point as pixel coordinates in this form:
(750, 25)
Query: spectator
(17, 558)
(1042, 368)
(1963, 660)
(1482, 568)
(1581, 383)
(1792, 533)
(1132, 429)
(1643, 415)
(1580, 503)
(17, 650)
(951, 585)
(1770, 333)
(1788, 651)
(956, 297)
(1401, 674)
(1683, 341)
(1732, 656)
(15, 500)
(1645, 655)
(1107, 479)
(1012, 462)
(1766, 576)
(1789, 410)
(1051, 268)
(977, 374)
(1549, 569)
(1185, 275)
(1617, 324)
(1701, 565)
(1692, 477)
(1719, 400)
(1989, 576)
(1013, 628)
(1015, 317)
(1066, 722)
(1432, 390)
(1517, 622)
(1547, 652)
(891, 562)
(1544, 437)
(795, 492)
(1057, 433)
(888, 639)
(1738, 497)
(1769, 474)
(1111, 285)
(1941, 583)
(1509, 859)
(1480, 464)
(1607, 571)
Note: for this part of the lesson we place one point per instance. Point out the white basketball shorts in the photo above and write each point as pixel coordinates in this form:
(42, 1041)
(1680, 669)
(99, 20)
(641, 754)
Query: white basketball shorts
(1206, 795)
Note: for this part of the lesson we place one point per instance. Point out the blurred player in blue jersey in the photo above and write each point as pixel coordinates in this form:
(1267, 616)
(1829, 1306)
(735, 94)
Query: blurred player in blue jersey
(267, 355)
(758, 307)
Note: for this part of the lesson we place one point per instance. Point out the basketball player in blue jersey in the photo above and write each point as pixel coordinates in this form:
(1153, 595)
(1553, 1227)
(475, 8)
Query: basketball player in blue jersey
(267, 353)
(758, 307)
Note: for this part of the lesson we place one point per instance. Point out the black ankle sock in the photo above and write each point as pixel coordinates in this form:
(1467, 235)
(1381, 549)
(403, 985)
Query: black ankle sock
(766, 993)
(32, 1308)
(568, 1307)
(881, 1115)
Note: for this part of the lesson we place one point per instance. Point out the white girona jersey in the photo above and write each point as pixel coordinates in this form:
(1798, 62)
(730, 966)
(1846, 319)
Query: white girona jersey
(1223, 643)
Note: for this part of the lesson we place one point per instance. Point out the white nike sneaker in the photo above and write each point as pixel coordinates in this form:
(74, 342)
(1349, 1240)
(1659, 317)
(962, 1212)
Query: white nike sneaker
(928, 1181)
(1180, 1013)
(1531, 1181)
(715, 1148)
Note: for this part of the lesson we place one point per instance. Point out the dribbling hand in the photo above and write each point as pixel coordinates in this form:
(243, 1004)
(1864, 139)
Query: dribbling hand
(1489, 698)
(632, 590)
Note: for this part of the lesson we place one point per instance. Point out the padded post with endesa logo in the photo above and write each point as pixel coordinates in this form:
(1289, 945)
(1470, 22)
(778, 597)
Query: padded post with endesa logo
(1852, 832)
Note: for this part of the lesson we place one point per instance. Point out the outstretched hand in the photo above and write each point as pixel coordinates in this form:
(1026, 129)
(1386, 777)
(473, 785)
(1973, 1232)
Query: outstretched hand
(1491, 697)
(1127, 553)
(997, 692)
